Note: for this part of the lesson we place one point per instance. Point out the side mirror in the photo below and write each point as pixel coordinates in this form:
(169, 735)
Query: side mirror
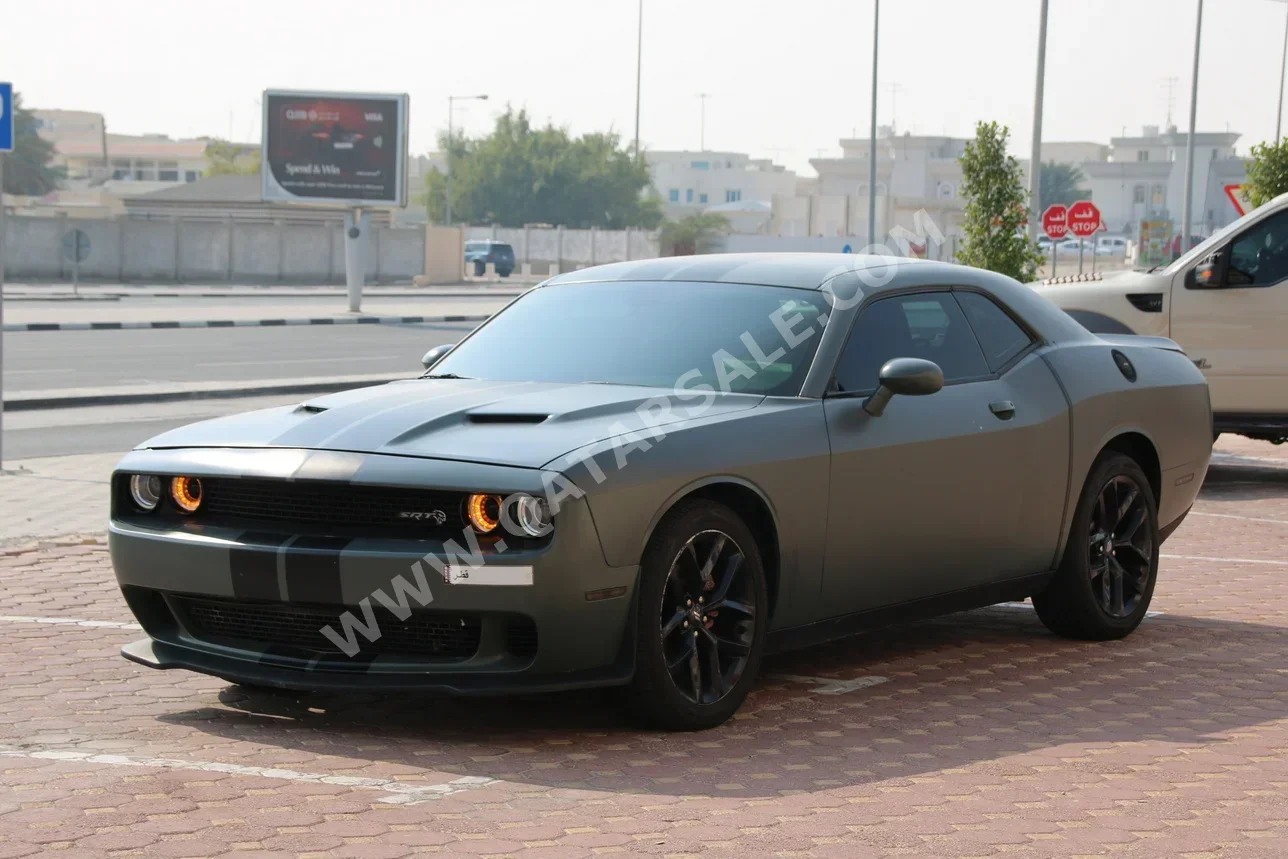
(1205, 275)
(433, 356)
(912, 377)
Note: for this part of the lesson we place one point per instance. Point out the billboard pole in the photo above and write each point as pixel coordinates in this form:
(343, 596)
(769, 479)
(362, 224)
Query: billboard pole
(355, 257)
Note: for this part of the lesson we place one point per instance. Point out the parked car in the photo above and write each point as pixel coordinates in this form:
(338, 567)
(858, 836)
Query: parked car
(479, 253)
(1111, 246)
(651, 474)
(1225, 302)
(1072, 246)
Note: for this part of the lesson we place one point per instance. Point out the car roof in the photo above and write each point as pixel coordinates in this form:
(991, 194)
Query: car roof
(800, 270)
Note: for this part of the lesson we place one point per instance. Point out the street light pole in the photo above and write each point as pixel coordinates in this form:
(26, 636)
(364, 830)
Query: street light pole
(702, 123)
(872, 136)
(1189, 140)
(451, 100)
(1279, 114)
(1035, 153)
(639, 68)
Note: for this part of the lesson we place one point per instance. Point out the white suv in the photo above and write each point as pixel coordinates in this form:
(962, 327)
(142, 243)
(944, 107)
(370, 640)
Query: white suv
(1225, 302)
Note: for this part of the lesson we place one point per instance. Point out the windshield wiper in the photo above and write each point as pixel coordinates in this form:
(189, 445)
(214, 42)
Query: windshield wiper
(443, 376)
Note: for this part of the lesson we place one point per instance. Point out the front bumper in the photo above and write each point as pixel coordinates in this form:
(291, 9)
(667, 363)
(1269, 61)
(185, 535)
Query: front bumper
(573, 620)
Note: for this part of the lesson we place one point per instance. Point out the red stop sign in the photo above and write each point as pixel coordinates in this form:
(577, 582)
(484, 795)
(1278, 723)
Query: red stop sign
(1084, 218)
(1055, 221)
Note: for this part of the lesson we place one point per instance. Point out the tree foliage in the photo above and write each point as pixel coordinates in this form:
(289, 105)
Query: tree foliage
(996, 209)
(520, 175)
(692, 234)
(26, 169)
(224, 158)
(1267, 172)
(1060, 183)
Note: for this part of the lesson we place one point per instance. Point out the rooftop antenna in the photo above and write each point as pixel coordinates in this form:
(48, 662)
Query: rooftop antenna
(895, 88)
(1170, 83)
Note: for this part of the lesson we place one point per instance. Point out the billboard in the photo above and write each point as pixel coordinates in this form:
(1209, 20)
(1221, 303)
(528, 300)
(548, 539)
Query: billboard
(323, 147)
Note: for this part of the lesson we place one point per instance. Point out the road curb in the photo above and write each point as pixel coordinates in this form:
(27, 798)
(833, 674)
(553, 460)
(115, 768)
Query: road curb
(240, 323)
(81, 397)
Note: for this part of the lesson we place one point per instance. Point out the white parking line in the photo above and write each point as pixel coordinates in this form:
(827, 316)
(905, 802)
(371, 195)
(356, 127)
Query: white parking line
(1244, 518)
(68, 621)
(398, 792)
(1227, 560)
(832, 685)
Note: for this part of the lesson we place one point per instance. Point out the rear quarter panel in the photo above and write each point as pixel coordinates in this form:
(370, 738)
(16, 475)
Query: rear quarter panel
(1167, 404)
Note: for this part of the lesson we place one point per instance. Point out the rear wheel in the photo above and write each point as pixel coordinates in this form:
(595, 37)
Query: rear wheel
(480, 268)
(701, 618)
(1106, 579)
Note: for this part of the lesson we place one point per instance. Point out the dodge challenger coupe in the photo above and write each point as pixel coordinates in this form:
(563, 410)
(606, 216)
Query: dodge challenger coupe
(651, 474)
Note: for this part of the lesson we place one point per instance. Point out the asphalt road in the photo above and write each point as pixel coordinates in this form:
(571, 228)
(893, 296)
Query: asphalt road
(77, 359)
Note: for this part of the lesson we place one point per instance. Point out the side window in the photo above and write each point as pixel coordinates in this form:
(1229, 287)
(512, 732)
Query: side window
(926, 325)
(999, 335)
(1259, 257)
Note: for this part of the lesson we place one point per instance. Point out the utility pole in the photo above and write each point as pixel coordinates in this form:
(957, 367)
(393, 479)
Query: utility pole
(1279, 114)
(639, 67)
(872, 137)
(702, 126)
(1189, 140)
(1035, 154)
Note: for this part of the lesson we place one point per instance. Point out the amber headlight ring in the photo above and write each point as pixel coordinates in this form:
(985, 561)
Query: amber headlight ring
(483, 512)
(185, 492)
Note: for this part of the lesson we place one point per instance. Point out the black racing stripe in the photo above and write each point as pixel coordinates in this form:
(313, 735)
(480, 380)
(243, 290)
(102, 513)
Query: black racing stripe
(313, 570)
(105, 326)
(254, 570)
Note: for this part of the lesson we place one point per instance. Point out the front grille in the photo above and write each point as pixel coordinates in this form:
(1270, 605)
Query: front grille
(521, 637)
(335, 508)
(296, 630)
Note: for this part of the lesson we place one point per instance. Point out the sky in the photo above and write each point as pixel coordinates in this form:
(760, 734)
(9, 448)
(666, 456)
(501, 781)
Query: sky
(785, 80)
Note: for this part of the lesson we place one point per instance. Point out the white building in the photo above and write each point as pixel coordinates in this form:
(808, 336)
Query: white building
(695, 181)
(1144, 178)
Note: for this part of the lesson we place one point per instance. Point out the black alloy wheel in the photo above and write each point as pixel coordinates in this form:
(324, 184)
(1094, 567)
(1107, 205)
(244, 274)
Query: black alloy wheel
(1120, 550)
(707, 620)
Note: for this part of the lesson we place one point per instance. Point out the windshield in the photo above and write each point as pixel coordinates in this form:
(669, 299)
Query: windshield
(751, 339)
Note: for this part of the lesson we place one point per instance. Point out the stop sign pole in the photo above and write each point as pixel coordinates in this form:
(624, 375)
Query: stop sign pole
(1055, 223)
(1084, 221)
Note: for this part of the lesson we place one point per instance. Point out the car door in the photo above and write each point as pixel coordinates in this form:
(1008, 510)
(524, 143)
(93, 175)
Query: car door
(949, 491)
(1236, 329)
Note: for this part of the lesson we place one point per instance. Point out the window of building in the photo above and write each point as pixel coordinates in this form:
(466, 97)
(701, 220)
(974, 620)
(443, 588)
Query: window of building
(1142, 154)
(733, 195)
(1157, 196)
(191, 175)
(688, 195)
(702, 198)
(700, 165)
(1138, 194)
(168, 175)
(929, 325)
(673, 195)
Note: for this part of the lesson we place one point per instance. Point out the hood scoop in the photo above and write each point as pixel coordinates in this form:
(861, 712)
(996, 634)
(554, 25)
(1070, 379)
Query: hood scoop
(504, 418)
(310, 409)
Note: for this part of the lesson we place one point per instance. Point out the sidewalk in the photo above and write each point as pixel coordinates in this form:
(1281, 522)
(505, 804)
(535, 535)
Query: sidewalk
(238, 311)
(115, 291)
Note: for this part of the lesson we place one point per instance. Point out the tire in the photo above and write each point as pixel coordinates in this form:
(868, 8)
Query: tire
(1106, 578)
(480, 268)
(675, 600)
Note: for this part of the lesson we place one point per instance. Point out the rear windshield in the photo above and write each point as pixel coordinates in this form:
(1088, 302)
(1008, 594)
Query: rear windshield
(750, 339)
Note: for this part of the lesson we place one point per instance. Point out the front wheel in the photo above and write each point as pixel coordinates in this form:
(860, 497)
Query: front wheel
(701, 619)
(1106, 579)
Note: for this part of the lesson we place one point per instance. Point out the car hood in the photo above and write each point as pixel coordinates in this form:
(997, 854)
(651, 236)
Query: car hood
(1090, 293)
(525, 424)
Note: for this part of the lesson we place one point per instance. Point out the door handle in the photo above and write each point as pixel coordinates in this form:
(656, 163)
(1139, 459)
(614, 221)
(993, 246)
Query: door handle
(1003, 409)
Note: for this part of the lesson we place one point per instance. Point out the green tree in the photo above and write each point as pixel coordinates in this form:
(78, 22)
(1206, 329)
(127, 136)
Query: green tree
(520, 175)
(1060, 183)
(1267, 172)
(692, 234)
(27, 169)
(993, 223)
(224, 158)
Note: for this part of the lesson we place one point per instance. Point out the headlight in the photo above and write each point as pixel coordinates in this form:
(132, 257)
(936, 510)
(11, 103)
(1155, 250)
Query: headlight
(146, 490)
(483, 512)
(186, 493)
(531, 516)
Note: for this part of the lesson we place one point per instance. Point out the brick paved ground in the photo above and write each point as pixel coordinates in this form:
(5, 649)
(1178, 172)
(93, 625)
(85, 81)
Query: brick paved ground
(990, 737)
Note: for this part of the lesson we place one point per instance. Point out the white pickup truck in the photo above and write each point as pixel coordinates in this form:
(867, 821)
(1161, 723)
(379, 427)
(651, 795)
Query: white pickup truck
(1225, 302)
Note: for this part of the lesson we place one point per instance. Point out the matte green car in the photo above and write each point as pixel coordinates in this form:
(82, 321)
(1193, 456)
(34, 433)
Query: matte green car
(651, 474)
